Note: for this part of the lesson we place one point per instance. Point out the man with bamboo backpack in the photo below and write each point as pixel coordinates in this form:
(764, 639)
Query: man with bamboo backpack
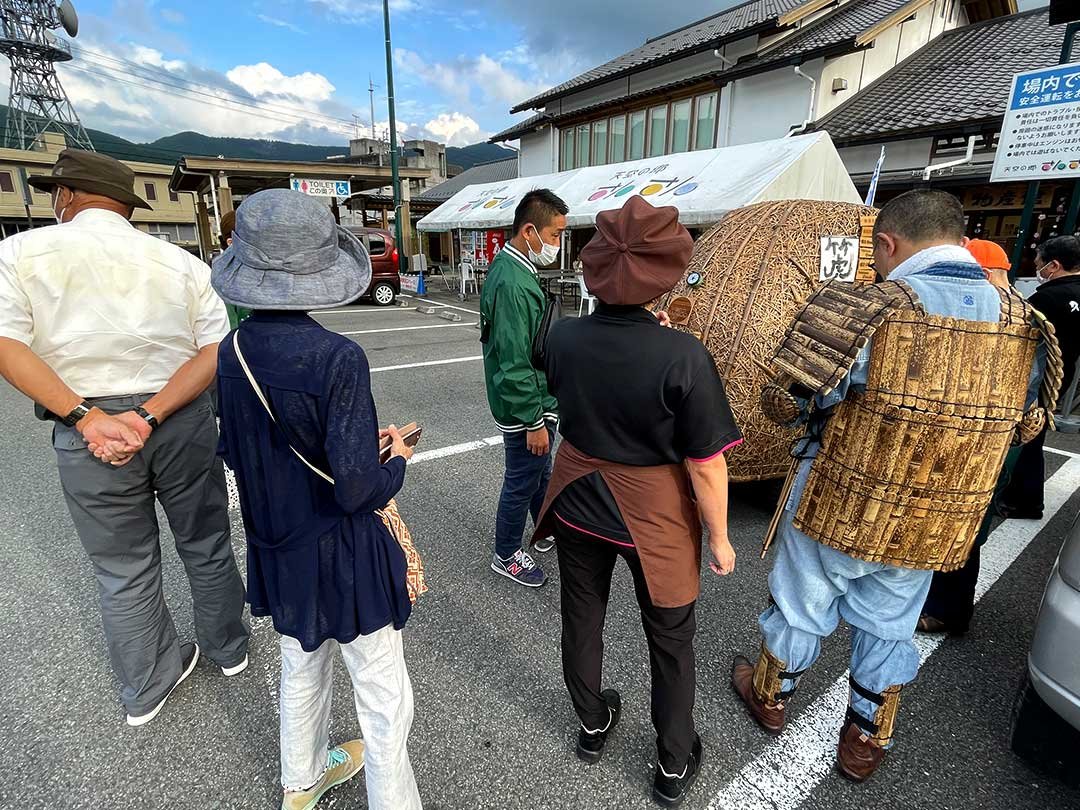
(511, 309)
(904, 441)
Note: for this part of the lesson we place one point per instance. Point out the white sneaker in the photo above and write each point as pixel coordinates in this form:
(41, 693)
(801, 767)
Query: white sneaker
(190, 657)
(228, 672)
(545, 545)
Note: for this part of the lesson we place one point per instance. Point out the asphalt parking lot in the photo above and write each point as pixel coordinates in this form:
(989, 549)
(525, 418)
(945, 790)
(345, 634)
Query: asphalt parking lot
(494, 728)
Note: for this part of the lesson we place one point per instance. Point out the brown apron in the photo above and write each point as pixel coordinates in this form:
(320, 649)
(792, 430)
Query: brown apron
(658, 506)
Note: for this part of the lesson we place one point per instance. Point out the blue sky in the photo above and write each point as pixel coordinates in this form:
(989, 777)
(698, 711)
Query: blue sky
(300, 67)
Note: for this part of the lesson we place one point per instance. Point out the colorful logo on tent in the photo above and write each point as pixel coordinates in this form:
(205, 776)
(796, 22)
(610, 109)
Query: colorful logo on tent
(508, 203)
(655, 187)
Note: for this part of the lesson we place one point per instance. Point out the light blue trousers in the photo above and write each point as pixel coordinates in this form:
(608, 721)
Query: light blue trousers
(814, 586)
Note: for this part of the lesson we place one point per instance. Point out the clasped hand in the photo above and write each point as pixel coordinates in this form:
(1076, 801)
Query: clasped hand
(114, 439)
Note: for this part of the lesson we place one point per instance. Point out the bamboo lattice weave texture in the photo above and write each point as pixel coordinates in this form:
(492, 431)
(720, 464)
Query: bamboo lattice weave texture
(907, 468)
(823, 341)
(754, 271)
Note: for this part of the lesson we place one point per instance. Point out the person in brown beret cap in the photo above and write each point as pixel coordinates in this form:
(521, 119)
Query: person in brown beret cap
(641, 406)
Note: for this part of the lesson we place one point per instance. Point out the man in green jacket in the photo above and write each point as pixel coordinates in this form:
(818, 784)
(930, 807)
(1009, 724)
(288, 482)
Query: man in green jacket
(511, 308)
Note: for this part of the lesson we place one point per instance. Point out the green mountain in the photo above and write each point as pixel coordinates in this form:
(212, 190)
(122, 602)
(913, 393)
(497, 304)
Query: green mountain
(172, 147)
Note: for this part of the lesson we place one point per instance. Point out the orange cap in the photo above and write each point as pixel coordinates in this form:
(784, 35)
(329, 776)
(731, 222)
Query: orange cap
(990, 255)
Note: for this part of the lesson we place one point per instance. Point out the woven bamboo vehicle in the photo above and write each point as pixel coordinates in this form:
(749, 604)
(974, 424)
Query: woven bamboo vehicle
(754, 270)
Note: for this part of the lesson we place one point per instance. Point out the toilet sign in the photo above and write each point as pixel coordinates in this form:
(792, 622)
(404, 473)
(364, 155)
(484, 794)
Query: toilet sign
(322, 188)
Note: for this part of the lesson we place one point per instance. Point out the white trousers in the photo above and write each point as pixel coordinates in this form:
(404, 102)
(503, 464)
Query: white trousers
(384, 706)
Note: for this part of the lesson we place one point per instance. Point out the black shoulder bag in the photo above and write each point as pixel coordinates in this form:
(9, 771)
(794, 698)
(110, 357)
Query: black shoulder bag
(552, 313)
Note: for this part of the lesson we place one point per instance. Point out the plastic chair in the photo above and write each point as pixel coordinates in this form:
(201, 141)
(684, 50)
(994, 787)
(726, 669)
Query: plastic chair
(586, 297)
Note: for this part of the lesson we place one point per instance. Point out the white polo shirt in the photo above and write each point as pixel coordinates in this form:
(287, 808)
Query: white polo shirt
(113, 310)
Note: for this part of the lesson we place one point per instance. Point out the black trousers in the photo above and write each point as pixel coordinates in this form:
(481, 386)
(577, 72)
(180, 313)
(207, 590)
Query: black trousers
(1025, 489)
(952, 596)
(585, 566)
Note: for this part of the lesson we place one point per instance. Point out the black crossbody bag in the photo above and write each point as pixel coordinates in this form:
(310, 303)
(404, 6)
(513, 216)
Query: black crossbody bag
(538, 353)
(552, 313)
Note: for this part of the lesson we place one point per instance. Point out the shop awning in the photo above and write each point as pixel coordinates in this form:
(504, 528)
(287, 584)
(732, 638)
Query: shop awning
(702, 185)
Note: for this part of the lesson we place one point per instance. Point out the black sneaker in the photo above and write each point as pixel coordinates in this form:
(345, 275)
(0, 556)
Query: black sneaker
(670, 791)
(189, 657)
(590, 744)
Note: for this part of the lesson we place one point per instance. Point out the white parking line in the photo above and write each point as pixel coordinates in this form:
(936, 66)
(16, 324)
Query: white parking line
(409, 328)
(792, 765)
(457, 449)
(428, 363)
(1057, 452)
(356, 311)
(437, 304)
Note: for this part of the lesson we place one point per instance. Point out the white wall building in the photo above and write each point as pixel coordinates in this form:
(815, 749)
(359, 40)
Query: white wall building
(750, 73)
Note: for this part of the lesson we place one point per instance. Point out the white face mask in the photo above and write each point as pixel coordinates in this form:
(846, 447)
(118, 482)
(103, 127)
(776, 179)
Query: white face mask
(60, 214)
(1039, 274)
(547, 255)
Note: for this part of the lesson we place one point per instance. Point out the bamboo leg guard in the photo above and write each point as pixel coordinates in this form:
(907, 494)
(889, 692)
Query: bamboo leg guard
(879, 730)
(769, 676)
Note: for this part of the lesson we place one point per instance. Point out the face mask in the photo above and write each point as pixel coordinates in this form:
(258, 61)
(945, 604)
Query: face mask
(547, 255)
(1039, 277)
(60, 214)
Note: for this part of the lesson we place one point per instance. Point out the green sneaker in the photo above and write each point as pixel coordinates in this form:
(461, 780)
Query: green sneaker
(344, 763)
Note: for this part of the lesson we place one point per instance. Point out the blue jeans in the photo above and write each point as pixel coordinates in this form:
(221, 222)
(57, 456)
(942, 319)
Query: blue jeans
(524, 488)
(815, 586)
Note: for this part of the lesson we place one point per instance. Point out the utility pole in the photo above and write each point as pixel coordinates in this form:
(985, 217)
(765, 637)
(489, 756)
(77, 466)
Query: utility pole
(394, 168)
(371, 93)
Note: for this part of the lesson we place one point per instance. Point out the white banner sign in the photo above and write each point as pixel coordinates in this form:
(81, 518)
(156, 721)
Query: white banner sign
(322, 188)
(839, 258)
(1040, 139)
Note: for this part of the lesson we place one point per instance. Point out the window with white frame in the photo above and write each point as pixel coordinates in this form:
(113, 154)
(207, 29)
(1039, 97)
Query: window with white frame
(658, 131)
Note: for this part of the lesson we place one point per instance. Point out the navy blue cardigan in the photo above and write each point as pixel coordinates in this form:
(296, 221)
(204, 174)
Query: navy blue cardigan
(320, 562)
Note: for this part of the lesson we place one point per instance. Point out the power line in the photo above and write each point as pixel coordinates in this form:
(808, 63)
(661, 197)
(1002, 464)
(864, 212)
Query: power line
(203, 89)
(224, 104)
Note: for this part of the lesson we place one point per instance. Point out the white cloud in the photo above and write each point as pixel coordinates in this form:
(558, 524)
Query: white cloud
(357, 11)
(479, 79)
(172, 16)
(281, 23)
(455, 129)
(155, 58)
(263, 79)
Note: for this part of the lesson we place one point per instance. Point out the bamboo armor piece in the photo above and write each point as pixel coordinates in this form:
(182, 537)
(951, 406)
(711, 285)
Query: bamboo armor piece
(907, 467)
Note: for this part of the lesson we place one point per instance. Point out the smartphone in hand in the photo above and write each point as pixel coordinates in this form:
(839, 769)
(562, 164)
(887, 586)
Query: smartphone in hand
(410, 434)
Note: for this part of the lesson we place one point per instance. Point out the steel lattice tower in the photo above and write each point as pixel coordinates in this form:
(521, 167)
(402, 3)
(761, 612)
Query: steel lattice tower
(37, 101)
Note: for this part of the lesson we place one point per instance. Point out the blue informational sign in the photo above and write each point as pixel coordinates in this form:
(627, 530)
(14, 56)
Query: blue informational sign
(1040, 138)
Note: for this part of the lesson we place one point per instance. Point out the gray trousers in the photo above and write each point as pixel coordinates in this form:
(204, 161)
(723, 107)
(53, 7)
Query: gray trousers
(116, 518)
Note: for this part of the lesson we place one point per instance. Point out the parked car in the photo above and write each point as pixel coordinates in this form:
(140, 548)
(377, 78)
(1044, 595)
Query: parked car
(385, 280)
(1046, 714)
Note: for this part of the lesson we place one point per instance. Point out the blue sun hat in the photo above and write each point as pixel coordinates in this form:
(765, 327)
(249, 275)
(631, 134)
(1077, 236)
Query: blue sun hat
(287, 252)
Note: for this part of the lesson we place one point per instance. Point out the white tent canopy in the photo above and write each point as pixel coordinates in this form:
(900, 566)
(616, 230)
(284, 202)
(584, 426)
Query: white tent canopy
(702, 185)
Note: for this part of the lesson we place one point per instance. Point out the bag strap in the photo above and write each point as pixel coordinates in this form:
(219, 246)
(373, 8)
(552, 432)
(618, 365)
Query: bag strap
(262, 398)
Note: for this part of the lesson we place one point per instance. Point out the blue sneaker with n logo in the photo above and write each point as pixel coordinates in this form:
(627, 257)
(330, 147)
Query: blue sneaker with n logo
(521, 568)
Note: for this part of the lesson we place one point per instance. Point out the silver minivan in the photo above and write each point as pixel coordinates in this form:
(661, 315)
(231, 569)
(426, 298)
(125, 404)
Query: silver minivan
(1046, 715)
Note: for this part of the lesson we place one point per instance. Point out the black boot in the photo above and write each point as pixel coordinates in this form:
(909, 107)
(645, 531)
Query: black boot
(590, 745)
(670, 791)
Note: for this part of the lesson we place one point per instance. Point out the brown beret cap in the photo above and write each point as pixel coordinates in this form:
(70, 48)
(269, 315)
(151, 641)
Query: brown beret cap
(639, 253)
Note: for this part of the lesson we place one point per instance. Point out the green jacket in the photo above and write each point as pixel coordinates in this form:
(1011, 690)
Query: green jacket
(511, 307)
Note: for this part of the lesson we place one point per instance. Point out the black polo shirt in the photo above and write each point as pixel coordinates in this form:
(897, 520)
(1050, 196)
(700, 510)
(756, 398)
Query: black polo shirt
(635, 393)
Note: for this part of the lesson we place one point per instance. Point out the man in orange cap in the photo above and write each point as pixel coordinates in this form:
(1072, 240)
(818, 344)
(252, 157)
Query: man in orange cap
(993, 259)
(620, 486)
